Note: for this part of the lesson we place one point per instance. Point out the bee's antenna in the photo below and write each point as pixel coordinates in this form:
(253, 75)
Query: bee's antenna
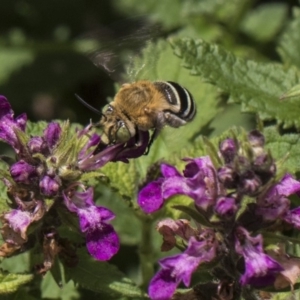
(95, 110)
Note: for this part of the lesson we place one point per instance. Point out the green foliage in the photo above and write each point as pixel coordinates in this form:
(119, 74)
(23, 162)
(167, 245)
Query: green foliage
(255, 25)
(103, 278)
(168, 12)
(51, 290)
(10, 282)
(3, 195)
(289, 46)
(257, 86)
(284, 148)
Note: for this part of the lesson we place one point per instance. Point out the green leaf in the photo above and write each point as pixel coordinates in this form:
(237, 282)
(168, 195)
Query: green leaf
(103, 278)
(167, 13)
(254, 24)
(11, 282)
(4, 207)
(18, 263)
(123, 177)
(65, 291)
(257, 86)
(286, 296)
(293, 92)
(193, 214)
(35, 128)
(289, 46)
(284, 146)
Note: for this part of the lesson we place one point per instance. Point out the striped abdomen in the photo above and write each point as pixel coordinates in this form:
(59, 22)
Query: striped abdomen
(184, 108)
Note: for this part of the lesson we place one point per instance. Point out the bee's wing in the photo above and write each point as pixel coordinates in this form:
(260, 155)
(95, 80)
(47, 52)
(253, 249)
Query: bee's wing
(121, 43)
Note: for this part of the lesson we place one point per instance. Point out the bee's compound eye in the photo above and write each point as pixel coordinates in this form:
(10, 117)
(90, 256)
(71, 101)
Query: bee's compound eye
(123, 134)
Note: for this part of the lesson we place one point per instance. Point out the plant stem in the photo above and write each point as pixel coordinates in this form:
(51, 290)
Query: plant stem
(146, 252)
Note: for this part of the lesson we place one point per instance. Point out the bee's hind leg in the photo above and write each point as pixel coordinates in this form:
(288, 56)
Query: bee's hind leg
(153, 137)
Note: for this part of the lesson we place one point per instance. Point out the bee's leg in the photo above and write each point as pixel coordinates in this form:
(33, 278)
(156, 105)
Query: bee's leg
(153, 137)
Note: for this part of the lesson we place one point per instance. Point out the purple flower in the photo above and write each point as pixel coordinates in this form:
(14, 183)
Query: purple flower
(36, 144)
(293, 217)
(226, 206)
(9, 124)
(89, 159)
(228, 150)
(260, 269)
(18, 221)
(180, 267)
(102, 240)
(52, 134)
(274, 203)
(22, 172)
(49, 186)
(198, 182)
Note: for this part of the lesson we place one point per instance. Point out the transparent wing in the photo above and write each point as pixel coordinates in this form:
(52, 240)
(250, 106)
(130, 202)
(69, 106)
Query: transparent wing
(119, 44)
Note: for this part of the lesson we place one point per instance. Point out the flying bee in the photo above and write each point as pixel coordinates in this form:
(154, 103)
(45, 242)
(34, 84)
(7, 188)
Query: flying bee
(145, 105)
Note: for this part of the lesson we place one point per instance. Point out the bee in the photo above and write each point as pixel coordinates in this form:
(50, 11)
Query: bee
(145, 105)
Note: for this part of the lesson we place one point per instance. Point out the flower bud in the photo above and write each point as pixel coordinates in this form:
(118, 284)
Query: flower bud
(228, 177)
(228, 150)
(22, 172)
(52, 134)
(250, 183)
(256, 138)
(49, 186)
(264, 167)
(35, 144)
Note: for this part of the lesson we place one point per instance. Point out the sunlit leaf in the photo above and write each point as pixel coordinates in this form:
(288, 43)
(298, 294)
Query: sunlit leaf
(11, 282)
(257, 86)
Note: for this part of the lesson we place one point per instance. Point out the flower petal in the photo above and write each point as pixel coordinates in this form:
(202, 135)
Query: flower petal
(286, 187)
(19, 221)
(169, 171)
(162, 285)
(102, 242)
(293, 217)
(150, 197)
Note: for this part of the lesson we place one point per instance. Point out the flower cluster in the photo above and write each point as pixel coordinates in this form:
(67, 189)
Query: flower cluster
(234, 197)
(46, 182)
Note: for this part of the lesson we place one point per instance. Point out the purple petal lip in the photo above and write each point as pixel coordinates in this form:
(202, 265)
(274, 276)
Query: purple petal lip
(180, 267)
(193, 183)
(162, 285)
(260, 269)
(101, 238)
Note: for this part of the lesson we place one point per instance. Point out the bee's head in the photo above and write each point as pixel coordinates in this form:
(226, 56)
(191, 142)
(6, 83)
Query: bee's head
(115, 126)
